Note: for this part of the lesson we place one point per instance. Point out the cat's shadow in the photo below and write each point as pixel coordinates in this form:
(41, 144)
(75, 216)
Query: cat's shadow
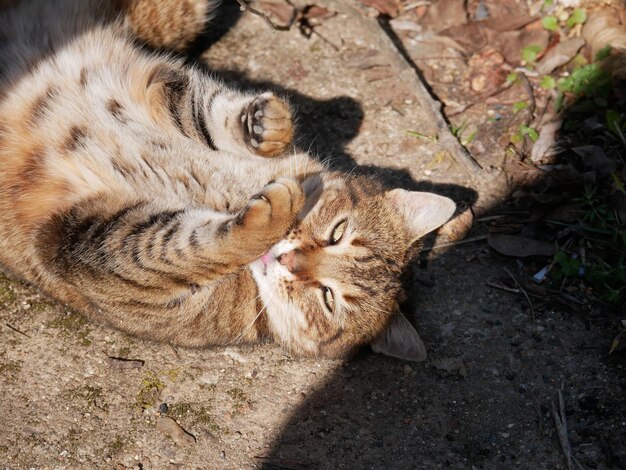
(324, 128)
(339, 416)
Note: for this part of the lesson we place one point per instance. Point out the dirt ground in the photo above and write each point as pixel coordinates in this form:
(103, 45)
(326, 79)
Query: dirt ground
(483, 399)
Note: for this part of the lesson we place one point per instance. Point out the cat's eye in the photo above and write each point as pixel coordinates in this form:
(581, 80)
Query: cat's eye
(338, 232)
(329, 298)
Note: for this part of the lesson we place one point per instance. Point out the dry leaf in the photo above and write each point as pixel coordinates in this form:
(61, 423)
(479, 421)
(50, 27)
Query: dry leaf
(520, 247)
(559, 55)
(603, 28)
(595, 159)
(506, 23)
(505, 15)
(511, 43)
(315, 14)
(445, 14)
(385, 7)
(470, 37)
(281, 11)
(451, 365)
(315, 11)
(546, 140)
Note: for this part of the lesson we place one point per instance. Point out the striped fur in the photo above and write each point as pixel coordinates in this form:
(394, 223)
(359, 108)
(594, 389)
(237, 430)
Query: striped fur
(157, 199)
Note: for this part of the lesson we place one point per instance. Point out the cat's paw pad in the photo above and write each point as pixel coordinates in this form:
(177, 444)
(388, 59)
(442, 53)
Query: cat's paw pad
(267, 125)
(273, 211)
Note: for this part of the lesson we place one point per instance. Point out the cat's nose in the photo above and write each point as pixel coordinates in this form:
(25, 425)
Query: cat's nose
(288, 260)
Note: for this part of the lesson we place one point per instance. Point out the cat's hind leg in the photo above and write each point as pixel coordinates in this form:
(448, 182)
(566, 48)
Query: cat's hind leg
(259, 124)
(171, 24)
(219, 116)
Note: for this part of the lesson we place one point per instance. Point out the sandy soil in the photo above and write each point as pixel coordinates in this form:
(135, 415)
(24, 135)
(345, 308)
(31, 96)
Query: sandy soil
(482, 400)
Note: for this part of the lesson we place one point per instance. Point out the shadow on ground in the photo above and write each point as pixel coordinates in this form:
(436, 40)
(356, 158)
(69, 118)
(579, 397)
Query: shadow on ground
(496, 411)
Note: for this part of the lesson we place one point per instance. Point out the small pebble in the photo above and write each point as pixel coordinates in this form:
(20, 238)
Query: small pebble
(163, 408)
(168, 426)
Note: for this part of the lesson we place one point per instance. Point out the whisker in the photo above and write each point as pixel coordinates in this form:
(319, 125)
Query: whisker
(248, 326)
(350, 173)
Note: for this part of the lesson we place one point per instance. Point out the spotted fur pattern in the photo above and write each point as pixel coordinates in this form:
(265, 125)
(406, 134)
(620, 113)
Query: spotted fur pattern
(153, 197)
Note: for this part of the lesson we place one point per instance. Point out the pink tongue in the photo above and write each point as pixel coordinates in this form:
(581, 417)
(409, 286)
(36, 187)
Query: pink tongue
(266, 258)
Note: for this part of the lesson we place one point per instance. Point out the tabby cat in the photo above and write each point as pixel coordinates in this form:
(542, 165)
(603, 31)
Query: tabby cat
(150, 196)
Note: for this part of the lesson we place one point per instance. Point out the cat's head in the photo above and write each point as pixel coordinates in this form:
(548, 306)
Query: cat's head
(331, 286)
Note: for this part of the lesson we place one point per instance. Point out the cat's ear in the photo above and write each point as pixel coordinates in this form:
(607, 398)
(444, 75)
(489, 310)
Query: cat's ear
(400, 340)
(422, 212)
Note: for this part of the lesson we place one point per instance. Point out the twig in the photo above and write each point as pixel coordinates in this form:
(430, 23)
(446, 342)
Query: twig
(243, 6)
(122, 362)
(407, 73)
(531, 96)
(313, 31)
(540, 418)
(561, 429)
(523, 291)
(504, 288)
(480, 100)
(16, 330)
(460, 242)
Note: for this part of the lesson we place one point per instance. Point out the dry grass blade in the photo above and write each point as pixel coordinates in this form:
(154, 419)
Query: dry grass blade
(503, 288)
(561, 429)
(523, 291)
(123, 363)
(16, 330)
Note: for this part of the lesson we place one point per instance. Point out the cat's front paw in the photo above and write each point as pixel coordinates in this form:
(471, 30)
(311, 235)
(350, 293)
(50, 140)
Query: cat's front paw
(271, 213)
(267, 125)
(266, 219)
